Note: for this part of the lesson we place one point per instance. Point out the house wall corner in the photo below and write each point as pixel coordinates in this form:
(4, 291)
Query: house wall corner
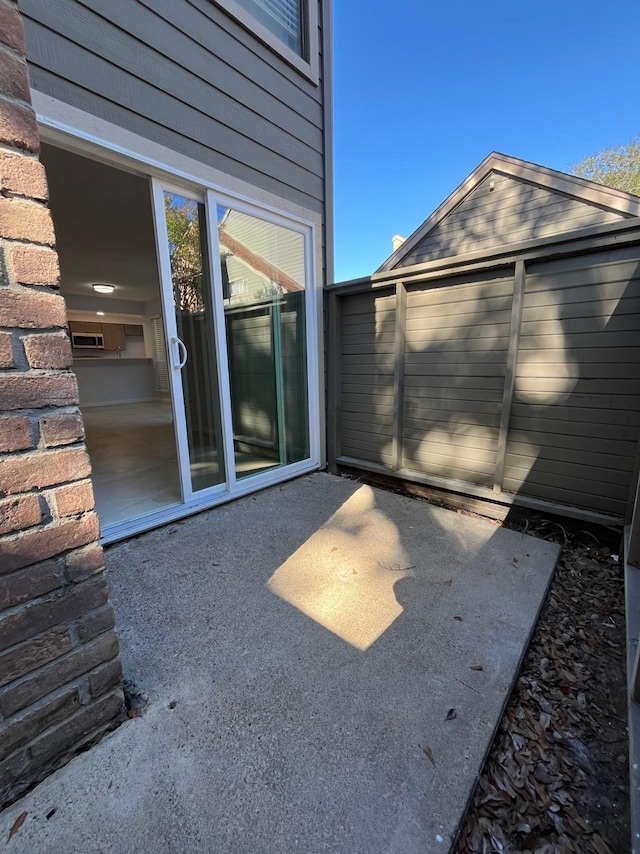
(60, 673)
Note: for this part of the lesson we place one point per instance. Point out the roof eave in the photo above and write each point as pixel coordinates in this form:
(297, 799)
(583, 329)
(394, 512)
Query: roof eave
(616, 201)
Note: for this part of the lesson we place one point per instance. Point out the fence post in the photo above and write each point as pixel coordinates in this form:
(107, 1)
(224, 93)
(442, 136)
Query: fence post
(510, 372)
(334, 380)
(400, 348)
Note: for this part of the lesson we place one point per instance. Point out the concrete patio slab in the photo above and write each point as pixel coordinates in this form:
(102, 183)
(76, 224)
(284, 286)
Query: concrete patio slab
(302, 650)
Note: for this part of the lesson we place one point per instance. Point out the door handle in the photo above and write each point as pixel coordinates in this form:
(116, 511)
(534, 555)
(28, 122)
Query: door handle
(182, 360)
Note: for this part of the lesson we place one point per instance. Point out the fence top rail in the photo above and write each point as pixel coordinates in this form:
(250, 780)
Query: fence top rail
(578, 242)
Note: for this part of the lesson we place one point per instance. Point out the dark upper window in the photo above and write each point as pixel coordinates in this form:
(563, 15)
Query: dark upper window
(284, 18)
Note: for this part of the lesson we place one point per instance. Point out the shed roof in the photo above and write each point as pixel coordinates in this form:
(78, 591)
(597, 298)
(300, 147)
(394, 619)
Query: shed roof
(506, 200)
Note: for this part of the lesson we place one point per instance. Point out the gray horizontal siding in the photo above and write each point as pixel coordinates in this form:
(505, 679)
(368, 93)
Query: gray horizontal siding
(575, 419)
(185, 75)
(450, 429)
(514, 211)
(367, 342)
(572, 434)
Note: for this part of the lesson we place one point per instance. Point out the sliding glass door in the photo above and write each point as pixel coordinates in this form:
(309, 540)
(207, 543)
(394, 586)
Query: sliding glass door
(263, 277)
(194, 342)
(236, 305)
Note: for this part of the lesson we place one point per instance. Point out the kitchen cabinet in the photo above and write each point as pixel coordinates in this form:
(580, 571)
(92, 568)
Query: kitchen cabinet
(114, 337)
(84, 326)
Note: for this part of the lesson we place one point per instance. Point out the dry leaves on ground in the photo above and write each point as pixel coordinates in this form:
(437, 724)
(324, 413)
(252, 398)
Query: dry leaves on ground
(556, 781)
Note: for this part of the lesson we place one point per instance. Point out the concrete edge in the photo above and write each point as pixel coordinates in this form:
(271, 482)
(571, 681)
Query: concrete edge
(632, 611)
(514, 681)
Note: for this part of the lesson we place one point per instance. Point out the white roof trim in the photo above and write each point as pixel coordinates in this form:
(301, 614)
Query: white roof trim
(616, 201)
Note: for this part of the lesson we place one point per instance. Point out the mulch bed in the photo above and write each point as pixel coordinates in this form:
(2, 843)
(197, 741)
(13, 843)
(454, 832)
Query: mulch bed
(557, 778)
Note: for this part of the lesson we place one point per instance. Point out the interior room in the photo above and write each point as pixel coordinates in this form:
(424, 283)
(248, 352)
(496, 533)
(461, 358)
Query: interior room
(109, 278)
(155, 432)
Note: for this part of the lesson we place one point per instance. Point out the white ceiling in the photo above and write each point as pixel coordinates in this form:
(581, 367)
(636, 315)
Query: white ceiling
(104, 227)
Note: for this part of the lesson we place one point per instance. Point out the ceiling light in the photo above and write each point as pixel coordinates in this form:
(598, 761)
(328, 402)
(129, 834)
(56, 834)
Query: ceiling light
(103, 289)
(101, 313)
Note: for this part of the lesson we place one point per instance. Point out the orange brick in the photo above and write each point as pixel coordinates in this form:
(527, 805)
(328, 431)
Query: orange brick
(85, 562)
(19, 587)
(15, 434)
(38, 544)
(6, 350)
(61, 429)
(48, 351)
(22, 175)
(11, 28)
(71, 500)
(38, 469)
(18, 126)
(15, 76)
(33, 391)
(18, 513)
(22, 219)
(33, 265)
(27, 309)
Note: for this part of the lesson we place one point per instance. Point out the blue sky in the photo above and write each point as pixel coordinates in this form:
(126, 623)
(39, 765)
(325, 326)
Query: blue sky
(423, 91)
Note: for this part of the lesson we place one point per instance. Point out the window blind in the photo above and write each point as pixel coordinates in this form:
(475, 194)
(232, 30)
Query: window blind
(160, 355)
(283, 17)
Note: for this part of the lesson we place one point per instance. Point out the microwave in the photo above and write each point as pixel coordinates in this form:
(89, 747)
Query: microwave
(87, 340)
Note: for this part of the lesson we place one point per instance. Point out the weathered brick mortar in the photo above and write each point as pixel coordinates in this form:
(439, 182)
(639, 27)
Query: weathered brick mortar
(33, 722)
(48, 352)
(59, 670)
(73, 500)
(18, 625)
(26, 219)
(37, 469)
(12, 29)
(75, 664)
(22, 176)
(30, 655)
(18, 126)
(14, 75)
(61, 428)
(15, 434)
(31, 265)
(44, 542)
(7, 360)
(84, 727)
(37, 388)
(24, 308)
(19, 512)
(26, 584)
(91, 625)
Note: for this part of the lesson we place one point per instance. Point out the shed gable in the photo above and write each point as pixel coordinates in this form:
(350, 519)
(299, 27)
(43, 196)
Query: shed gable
(501, 210)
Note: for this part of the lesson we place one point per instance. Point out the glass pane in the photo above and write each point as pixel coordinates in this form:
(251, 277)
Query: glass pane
(192, 294)
(263, 278)
(282, 17)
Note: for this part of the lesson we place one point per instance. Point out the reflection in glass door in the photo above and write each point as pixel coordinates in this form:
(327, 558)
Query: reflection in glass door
(263, 275)
(192, 348)
(235, 294)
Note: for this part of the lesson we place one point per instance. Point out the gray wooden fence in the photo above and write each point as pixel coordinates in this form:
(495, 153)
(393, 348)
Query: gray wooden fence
(513, 378)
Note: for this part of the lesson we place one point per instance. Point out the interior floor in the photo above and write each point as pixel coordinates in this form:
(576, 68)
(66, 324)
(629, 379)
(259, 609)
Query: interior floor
(134, 463)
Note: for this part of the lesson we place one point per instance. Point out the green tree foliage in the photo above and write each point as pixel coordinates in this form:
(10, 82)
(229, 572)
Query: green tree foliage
(186, 231)
(617, 167)
(185, 252)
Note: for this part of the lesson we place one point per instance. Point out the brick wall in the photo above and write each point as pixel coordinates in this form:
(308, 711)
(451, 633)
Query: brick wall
(60, 675)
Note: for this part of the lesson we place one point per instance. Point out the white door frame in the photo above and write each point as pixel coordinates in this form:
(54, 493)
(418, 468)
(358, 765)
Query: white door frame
(231, 487)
